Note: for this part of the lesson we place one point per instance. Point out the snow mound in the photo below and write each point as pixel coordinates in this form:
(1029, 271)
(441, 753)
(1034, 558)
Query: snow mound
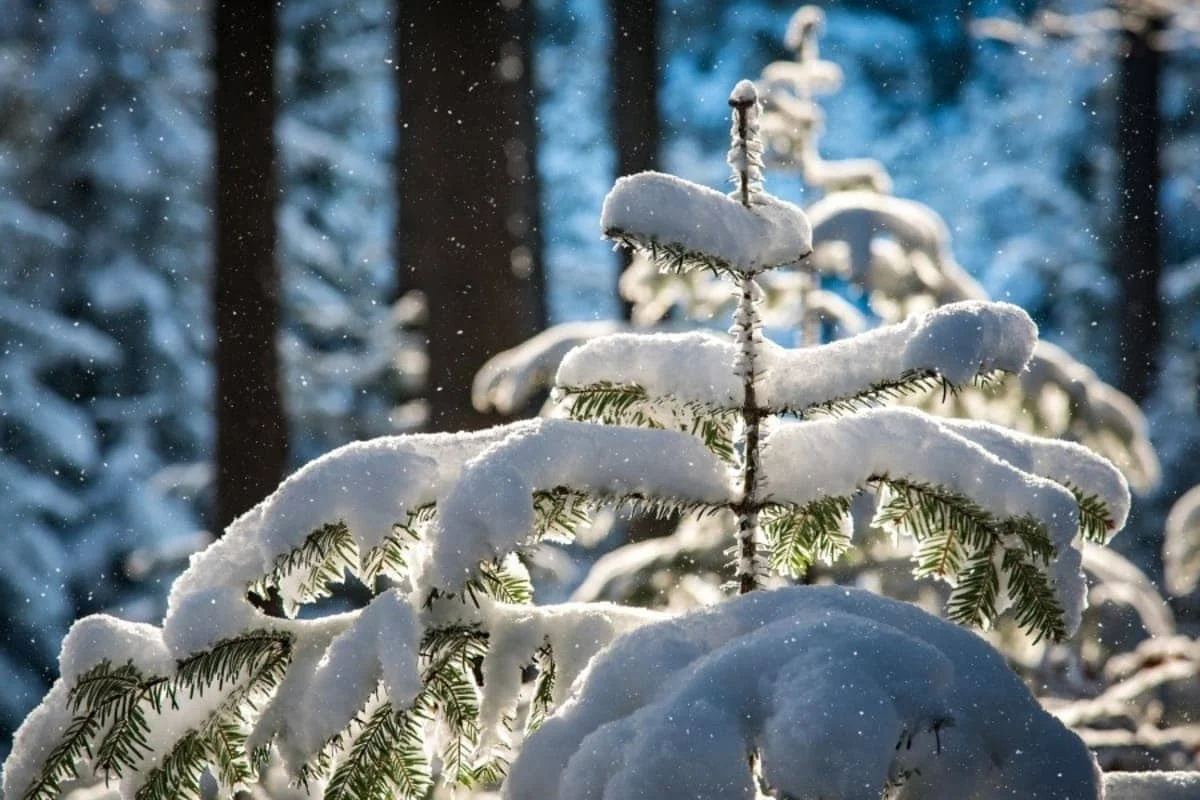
(651, 207)
(840, 692)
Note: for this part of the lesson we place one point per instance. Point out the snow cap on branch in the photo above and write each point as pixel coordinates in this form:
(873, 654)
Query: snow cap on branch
(90, 642)
(746, 148)
(838, 457)
(380, 645)
(1067, 463)
(803, 27)
(687, 225)
(369, 487)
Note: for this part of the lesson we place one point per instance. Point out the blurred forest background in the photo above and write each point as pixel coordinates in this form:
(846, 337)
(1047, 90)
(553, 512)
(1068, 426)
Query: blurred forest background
(237, 234)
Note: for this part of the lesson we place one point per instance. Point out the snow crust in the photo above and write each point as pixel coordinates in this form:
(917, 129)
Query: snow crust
(957, 342)
(489, 511)
(666, 209)
(839, 690)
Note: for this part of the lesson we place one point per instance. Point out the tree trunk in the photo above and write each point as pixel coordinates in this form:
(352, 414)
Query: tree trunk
(468, 232)
(251, 427)
(636, 126)
(1138, 249)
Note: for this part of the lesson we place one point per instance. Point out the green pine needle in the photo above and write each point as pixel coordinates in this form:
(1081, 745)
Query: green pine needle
(798, 537)
(1095, 520)
(1038, 609)
(611, 403)
(543, 694)
(973, 599)
(320, 561)
(956, 541)
(671, 257)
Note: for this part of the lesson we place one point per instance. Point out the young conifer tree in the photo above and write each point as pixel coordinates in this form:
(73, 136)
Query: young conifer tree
(798, 692)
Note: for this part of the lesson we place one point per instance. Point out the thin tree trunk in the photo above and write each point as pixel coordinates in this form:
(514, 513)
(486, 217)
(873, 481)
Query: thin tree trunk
(1138, 249)
(251, 428)
(745, 158)
(468, 231)
(636, 125)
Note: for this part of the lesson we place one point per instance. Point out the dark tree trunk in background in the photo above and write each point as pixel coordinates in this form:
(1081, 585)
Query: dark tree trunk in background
(636, 127)
(468, 232)
(1138, 251)
(251, 427)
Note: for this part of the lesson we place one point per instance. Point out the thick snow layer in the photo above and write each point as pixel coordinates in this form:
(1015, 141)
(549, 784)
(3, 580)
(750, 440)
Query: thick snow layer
(282, 719)
(690, 367)
(489, 510)
(836, 456)
(1151, 785)
(957, 342)
(369, 486)
(804, 462)
(103, 638)
(667, 210)
(840, 691)
(1064, 462)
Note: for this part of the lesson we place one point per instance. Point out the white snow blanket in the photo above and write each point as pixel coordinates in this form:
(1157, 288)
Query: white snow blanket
(839, 691)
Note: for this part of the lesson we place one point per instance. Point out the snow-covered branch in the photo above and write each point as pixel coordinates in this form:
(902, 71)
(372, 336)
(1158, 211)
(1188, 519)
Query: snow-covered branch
(683, 225)
(953, 344)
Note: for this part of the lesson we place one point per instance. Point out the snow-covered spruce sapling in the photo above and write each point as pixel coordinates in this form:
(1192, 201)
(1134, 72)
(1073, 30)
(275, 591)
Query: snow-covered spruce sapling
(425, 683)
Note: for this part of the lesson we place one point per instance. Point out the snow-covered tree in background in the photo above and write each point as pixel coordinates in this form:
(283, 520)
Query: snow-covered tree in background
(800, 692)
(103, 316)
(105, 396)
(350, 357)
